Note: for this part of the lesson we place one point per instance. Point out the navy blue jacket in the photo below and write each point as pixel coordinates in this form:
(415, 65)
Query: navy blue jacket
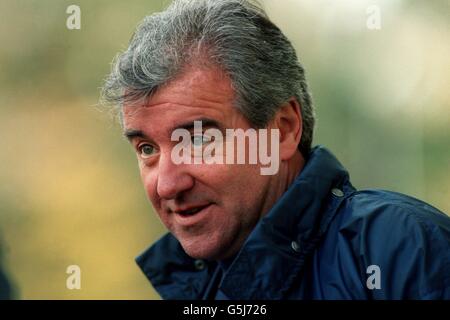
(323, 239)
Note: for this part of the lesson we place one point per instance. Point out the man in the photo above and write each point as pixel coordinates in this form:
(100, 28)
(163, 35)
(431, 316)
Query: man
(301, 232)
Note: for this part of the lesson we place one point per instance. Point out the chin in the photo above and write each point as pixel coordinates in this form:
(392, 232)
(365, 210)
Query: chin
(200, 250)
(201, 253)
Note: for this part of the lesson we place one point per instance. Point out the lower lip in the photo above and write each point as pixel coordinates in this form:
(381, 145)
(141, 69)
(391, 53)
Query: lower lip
(189, 220)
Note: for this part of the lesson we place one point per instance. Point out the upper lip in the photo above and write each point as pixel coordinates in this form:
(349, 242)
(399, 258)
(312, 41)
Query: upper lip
(189, 208)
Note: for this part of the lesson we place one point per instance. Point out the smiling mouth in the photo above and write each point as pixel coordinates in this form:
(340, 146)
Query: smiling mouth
(191, 212)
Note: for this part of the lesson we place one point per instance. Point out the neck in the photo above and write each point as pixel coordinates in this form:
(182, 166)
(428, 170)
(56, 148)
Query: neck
(294, 167)
(289, 170)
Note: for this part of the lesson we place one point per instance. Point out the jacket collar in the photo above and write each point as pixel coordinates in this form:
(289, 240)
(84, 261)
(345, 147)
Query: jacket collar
(274, 253)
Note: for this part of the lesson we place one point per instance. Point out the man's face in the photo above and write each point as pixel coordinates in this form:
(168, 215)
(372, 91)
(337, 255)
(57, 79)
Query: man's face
(230, 197)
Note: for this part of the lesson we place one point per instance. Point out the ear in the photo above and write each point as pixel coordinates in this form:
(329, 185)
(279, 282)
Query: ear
(288, 120)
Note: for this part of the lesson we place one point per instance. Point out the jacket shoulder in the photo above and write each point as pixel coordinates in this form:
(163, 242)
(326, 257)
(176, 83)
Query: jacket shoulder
(402, 238)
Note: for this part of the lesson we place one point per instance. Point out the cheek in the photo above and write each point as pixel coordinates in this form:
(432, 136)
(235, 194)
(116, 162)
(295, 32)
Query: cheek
(242, 184)
(149, 180)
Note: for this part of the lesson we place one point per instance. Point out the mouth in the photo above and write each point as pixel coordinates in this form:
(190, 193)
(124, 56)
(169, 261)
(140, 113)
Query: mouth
(193, 215)
(191, 211)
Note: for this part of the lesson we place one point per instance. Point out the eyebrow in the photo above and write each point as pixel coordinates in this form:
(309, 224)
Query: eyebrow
(206, 122)
(131, 134)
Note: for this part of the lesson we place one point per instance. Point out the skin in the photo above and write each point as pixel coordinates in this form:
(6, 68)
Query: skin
(236, 196)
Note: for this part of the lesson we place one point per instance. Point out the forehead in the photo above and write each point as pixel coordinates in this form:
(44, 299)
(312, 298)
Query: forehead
(195, 92)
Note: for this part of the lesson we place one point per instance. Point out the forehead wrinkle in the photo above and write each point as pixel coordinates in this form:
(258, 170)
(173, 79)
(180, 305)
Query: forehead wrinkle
(196, 90)
(192, 97)
(210, 85)
(195, 103)
(145, 124)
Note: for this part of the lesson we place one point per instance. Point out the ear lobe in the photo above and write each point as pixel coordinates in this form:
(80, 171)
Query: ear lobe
(290, 123)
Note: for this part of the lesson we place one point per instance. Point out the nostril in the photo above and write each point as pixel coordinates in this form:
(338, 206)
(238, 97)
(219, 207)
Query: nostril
(173, 186)
(172, 180)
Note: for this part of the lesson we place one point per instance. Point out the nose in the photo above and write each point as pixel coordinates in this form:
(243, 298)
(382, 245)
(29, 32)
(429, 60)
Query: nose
(173, 179)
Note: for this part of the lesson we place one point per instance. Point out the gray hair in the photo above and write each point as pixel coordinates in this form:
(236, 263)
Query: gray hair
(235, 35)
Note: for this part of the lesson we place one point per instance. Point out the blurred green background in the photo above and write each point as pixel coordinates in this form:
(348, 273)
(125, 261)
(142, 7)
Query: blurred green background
(70, 191)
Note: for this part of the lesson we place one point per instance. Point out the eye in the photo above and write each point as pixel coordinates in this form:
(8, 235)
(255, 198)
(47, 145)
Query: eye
(146, 150)
(199, 140)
